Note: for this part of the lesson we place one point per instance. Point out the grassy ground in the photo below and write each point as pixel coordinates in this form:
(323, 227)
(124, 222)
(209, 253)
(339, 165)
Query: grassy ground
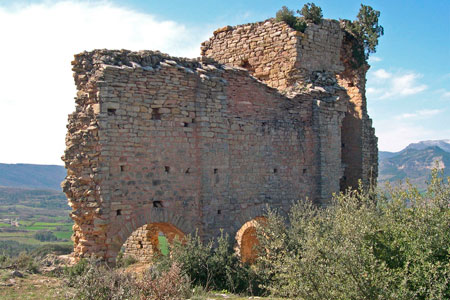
(32, 287)
(42, 287)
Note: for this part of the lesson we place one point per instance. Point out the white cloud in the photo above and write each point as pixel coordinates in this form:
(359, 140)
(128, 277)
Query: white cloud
(382, 74)
(421, 114)
(38, 44)
(405, 85)
(384, 85)
(395, 134)
(375, 59)
(444, 93)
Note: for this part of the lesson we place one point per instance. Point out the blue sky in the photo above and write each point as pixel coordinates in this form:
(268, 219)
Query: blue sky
(408, 88)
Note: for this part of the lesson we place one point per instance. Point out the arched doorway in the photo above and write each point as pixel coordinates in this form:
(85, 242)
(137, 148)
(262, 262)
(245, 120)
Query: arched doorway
(247, 240)
(150, 240)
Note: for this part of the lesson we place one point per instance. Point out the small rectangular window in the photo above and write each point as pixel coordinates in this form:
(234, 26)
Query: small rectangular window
(156, 115)
(111, 111)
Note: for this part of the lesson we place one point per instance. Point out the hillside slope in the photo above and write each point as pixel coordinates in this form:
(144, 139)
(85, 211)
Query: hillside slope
(32, 176)
(414, 163)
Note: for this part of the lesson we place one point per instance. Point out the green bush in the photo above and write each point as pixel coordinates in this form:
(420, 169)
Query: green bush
(287, 15)
(79, 269)
(213, 265)
(45, 236)
(365, 246)
(125, 261)
(13, 248)
(56, 249)
(311, 13)
(23, 262)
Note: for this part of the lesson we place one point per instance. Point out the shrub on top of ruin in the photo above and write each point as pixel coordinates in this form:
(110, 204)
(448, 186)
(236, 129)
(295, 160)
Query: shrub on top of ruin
(311, 13)
(366, 29)
(287, 15)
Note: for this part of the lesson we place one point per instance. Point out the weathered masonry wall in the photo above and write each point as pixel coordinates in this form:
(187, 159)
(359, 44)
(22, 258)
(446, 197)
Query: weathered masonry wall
(272, 116)
(275, 53)
(317, 62)
(201, 146)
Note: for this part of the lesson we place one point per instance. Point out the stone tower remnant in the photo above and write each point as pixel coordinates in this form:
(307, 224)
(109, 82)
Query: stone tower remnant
(164, 145)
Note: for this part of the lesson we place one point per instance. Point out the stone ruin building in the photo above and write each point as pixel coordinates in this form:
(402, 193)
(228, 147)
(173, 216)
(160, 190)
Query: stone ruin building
(165, 145)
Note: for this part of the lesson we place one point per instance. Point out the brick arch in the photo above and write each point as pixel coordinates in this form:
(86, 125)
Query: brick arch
(248, 214)
(246, 239)
(121, 230)
(143, 243)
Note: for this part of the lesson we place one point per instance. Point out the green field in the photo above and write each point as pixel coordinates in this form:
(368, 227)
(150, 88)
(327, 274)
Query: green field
(36, 210)
(163, 245)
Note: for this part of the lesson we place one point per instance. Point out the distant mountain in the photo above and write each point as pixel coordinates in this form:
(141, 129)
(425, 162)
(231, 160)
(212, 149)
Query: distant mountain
(443, 144)
(414, 162)
(32, 176)
(385, 154)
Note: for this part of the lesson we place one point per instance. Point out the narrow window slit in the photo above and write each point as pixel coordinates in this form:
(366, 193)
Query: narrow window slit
(140, 246)
(219, 211)
(216, 170)
(167, 169)
(156, 115)
(304, 171)
(188, 171)
(157, 204)
(118, 212)
(275, 170)
(122, 168)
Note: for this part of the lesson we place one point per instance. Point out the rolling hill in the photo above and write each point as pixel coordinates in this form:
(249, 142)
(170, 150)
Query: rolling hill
(32, 176)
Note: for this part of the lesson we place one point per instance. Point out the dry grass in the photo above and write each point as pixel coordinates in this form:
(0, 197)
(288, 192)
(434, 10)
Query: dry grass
(31, 287)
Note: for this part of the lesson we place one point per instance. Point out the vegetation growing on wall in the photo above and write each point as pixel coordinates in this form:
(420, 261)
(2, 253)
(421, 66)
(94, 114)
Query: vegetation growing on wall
(366, 28)
(310, 13)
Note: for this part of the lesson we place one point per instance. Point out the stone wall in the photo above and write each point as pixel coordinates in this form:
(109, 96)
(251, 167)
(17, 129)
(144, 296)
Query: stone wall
(266, 49)
(275, 53)
(206, 144)
(318, 62)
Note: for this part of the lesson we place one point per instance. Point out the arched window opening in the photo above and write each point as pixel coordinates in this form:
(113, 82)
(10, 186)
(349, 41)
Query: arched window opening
(150, 240)
(247, 240)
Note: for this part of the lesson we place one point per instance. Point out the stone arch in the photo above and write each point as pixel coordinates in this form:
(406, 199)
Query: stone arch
(143, 243)
(247, 240)
(121, 229)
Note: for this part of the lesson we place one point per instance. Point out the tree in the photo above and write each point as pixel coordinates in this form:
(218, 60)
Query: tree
(311, 13)
(366, 28)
